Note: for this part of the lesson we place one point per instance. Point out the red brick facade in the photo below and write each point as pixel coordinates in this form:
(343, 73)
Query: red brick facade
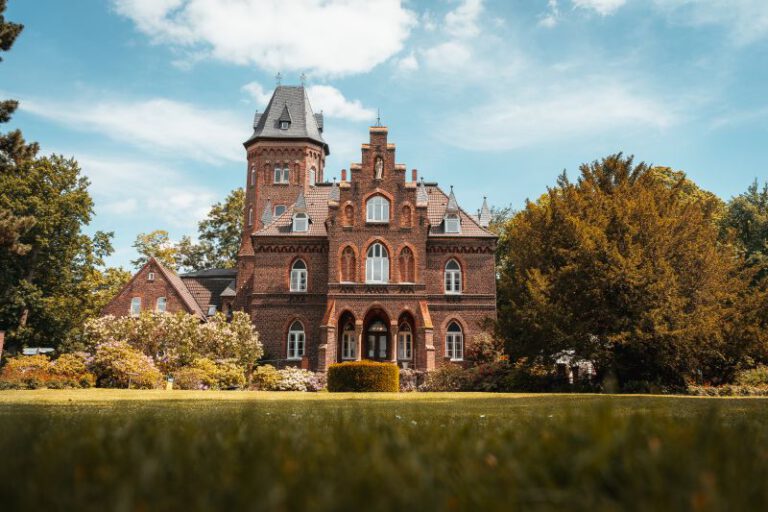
(339, 307)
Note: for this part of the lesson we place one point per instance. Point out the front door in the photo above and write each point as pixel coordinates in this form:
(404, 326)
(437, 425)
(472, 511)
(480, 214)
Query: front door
(377, 346)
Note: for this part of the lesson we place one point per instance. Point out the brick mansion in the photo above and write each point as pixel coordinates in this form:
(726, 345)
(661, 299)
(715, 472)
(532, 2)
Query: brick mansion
(378, 265)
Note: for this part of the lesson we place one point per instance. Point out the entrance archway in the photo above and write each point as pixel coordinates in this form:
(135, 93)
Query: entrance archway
(376, 338)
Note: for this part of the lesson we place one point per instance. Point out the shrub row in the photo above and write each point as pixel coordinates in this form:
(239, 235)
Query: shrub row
(38, 371)
(728, 390)
(363, 376)
(204, 373)
(269, 378)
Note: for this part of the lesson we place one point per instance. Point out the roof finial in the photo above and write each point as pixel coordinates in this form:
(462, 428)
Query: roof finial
(303, 79)
(278, 78)
(378, 117)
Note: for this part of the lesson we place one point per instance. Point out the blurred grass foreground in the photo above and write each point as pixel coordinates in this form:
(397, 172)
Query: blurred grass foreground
(135, 451)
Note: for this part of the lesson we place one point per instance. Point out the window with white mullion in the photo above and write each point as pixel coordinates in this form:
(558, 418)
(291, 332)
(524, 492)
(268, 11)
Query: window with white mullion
(405, 343)
(348, 344)
(377, 264)
(296, 341)
(454, 343)
(377, 210)
(452, 277)
(282, 174)
(299, 276)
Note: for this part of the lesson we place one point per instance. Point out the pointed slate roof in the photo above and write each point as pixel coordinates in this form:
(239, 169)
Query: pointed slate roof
(422, 199)
(266, 217)
(484, 216)
(453, 205)
(300, 206)
(335, 193)
(288, 103)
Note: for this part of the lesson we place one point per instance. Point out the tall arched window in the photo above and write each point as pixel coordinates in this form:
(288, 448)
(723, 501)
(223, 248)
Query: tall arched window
(452, 277)
(377, 209)
(377, 264)
(253, 175)
(300, 222)
(405, 342)
(407, 266)
(348, 265)
(454, 342)
(348, 343)
(296, 341)
(312, 177)
(299, 276)
(250, 216)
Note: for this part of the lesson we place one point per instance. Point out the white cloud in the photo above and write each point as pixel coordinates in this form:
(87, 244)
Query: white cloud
(336, 37)
(145, 190)
(408, 63)
(745, 20)
(447, 57)
(544, 117)
(333, 104)
(549, 18)
(257, 92)
(602, 7)
(157, 124)
(463, 21)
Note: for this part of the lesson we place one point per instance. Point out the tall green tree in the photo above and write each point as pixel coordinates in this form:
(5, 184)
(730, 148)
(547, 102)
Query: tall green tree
(626, 267)
(746, 218)
(156, 244)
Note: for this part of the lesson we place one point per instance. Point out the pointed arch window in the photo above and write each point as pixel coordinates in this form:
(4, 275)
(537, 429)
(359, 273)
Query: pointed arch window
(299, 276)
(407, 266)
(348, 343)
(377, 264)
(377, 210)
(253, 175)
(312, 177)
(300, 223)
(452, 277)
(296, 341)
(348, 265)
(250, 216)
(454, 342)
(405, 342)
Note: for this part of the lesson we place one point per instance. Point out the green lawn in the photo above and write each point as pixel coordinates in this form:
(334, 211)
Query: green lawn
(160, 450)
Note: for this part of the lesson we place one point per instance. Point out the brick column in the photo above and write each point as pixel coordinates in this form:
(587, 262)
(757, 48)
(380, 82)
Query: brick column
(393, 336)
(429, 345)
(358, 340)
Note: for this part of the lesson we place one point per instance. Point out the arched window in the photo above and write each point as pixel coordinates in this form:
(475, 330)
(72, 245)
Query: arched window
(160, 304)
(377, 264)
(405, 218)
(349, 215)
(348, 265)
(282, 173)
(405, 342)
(300, 222)
(452, 277)
(250, 216)
(312, 177)
(407, 266)
(253, 175)
(296, 341)
(377, 209)
(452, 223)
(454, 342)
(348, 343)
(299, 276)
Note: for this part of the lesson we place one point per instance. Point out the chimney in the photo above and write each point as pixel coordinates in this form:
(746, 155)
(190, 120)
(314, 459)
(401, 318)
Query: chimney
(414, 175)
(343, 175)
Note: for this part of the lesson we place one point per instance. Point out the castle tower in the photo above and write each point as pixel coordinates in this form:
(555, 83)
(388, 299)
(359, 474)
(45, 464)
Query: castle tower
(285, 155)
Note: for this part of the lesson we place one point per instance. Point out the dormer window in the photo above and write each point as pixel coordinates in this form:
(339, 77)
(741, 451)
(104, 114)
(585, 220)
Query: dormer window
(300, 223)
(452, 223)
(211, 309)
(151, 276)
(284, 125)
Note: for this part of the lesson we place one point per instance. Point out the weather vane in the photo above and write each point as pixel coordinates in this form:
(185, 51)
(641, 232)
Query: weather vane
(303, 79)
(378, 117)
(278, 78)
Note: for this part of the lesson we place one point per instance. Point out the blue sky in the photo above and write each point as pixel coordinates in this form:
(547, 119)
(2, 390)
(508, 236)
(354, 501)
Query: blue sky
(154, 97)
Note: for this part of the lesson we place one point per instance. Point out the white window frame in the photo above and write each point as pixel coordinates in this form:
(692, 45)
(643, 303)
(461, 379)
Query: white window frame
(135, 309)
(377, 210)
(296, 341)
(151, 276)
(377, 264)
(253, 175)
(299, 276)
(164, 302)
(348, 344)
(282, 209)
(454, 343)
(312, 177)
(300, 223)
(452, 223)
(284, 125)
(452, 281)
(405, 342)
(282, 175)
(211, 309)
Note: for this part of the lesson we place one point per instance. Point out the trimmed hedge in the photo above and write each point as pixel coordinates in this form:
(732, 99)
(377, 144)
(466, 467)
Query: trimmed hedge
(363, 376)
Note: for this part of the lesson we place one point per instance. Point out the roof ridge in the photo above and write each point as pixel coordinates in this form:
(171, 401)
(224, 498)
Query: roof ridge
(180, 287)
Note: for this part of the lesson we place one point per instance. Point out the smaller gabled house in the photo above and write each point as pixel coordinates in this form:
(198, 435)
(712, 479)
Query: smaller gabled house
(157, 288)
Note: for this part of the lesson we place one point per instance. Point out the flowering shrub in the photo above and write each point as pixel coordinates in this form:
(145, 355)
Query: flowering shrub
(117, 364)
(296, 379)
(191, 378)
(230, 376)
(411, 380)
(32, 372)
(176, 340)
(446, 378)
(754, 377)
(265, 378)
(363, 376)
(206, 374)
(485, 348)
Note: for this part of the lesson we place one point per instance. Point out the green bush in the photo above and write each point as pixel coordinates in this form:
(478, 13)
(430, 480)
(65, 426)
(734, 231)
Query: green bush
(34, 372)
(265, 378)
(190, 378)
(118, 365)
(230, 376)
(728, 390)
(363, 376)
(754, 377)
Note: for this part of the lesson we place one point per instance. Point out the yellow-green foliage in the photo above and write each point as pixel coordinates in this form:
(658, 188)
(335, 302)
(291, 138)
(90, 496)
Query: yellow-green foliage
(265, 378)
(204, 373)
(230, 376)
(117, 364)
(31, 372)
(363, 376)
